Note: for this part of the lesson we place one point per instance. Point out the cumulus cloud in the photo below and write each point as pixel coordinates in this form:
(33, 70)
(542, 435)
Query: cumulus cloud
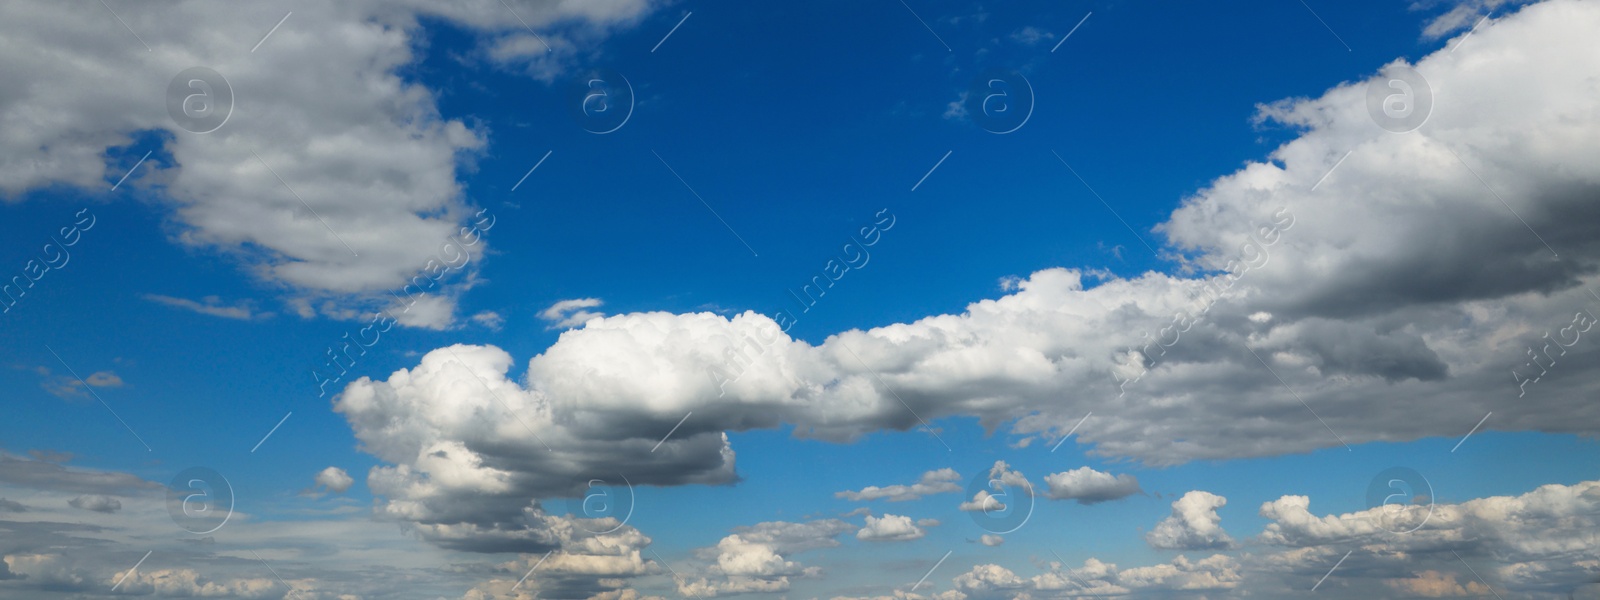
(567, 314)
(1089, 486)
(96, 503)
(1353, 326)
(991, 540)
(938, 481)
(1399, 277)
(334, 479)
(1434, 584)
(337, 192)
(1218, 572)
(982, 502)
(1544, 540)
(892, 528)
(1194, 524)
(755, 558)
(1004, 483)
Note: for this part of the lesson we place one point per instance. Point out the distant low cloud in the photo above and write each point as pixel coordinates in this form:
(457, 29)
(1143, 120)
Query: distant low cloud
(933, 482)
(1031, 36)
(44, 475)
(96, 503)
(69, 387)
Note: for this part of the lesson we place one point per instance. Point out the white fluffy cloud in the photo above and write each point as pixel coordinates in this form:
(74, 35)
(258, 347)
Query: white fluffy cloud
(891, 528)
(334, 479)
(1401, 276)
(1004, 484)
(333, 175)
(1217, 573)
(1354, 326)
(1089, 486)
(938, 481)
(1194, 524)
(755, 558)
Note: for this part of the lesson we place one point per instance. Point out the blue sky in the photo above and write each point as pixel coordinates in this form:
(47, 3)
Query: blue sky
(792, 127)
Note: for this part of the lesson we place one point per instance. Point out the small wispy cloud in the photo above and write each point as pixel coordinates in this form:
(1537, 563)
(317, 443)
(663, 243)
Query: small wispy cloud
(243, 310)
(567, 314)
